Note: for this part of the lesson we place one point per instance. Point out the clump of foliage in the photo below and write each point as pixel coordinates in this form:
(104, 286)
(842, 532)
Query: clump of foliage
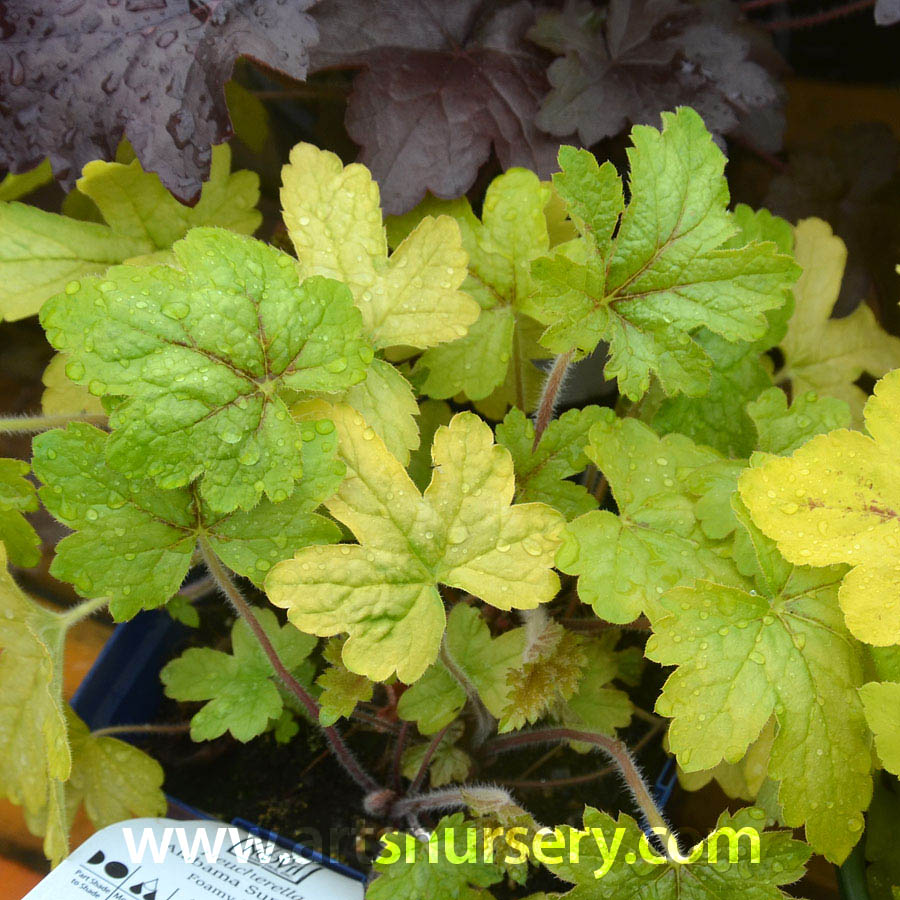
(283, 417)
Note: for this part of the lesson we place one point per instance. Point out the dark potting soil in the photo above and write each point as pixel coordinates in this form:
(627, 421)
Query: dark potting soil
(301, 792)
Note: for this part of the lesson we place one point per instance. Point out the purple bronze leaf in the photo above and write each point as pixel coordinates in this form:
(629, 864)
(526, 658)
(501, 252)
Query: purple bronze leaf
(78, 75)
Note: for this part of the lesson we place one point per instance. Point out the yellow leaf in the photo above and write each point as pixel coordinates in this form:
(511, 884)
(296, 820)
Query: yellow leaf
(333, 216)
(463, 532)
(837, 500)
(827, 355)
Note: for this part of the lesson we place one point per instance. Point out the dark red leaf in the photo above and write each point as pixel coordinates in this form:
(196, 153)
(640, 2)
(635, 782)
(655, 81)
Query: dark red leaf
(625, 62)
(78, 75)
(441, 83)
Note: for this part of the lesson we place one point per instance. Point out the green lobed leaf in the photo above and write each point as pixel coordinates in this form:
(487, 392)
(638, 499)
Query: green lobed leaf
(463, 532)
(776, 646)
(134, 542)
(240, 686)
(342, 690)
(35, 758)
(639, 872)
(782, 430)
(626, 561)
(201, 353)
(498, 348)
(645, 276)
(333, 216)
(881, 701)
(40, 252)
(596, 705)
(542, 472)
(388, 403)
(441, 879)
(449, 763)
(479, 662)
(18, 496)
(113, 779)
(822, 354)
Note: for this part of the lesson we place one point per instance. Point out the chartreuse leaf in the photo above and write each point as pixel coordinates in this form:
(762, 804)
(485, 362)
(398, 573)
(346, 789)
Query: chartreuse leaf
(12, 187)
(333, 216)
(742, 779)
(549, 673)
(409, 869)
(596, 705)
(476, 661)
(40, 252)
(718, 419)
(134, 542)
(115, 780)
(764, 861)
(626, 561)
(836, 500)
(740, 370)
(513, 231)
(822, 354)
(62, 396)
(201, 354)
(35, 758)
(341, 688)
(782, 430)
(776, 646)
(542, 472)
(462, 532)
(449, 763)
(412, 298)
(240, 687)
(645, 276)
(388, 403)
(18, 496)
(881, 701)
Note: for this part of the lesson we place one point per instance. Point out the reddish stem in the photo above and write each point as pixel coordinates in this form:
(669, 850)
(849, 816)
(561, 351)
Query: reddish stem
(226, 584)
(419, 780)
(615, 750)
(552, 386)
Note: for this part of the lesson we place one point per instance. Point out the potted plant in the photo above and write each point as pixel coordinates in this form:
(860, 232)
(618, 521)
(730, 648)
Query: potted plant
(350, 454)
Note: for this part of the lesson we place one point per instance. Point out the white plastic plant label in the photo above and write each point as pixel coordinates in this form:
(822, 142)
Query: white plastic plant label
(166, 859)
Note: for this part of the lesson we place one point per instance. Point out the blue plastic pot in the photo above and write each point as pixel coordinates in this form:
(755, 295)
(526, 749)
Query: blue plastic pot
(123, 688)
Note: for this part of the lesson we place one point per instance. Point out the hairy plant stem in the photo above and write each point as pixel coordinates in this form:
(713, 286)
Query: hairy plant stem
(419, 780)
(340, 749)
(615, 750)
(75, 614)
(552, 386)
(451, 797)
(34, 424)
(484, 721)
(381, 724)
(111, 730)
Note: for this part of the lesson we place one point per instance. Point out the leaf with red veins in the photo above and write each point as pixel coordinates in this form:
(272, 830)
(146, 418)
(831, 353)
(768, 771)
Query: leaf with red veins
(441, 84)
(78, 77)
